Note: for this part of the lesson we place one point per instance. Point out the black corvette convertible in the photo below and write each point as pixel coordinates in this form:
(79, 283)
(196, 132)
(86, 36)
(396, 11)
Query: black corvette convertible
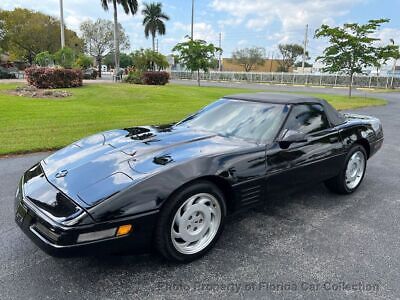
(171, 187)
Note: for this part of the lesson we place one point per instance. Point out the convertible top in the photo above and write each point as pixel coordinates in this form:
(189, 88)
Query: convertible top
(333, 115)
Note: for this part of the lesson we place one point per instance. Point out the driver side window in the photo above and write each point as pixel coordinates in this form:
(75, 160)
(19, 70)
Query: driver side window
(307, 118)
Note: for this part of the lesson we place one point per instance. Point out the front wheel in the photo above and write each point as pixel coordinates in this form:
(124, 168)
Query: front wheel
(352, 174)
(191, 222)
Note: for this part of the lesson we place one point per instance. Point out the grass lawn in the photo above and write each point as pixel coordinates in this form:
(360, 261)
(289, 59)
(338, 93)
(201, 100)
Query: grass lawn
(29, 125)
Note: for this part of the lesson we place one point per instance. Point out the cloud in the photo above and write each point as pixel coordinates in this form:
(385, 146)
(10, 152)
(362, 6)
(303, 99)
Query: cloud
(74, 21)
(290, 15)
(230, 22)
(386, 34)
(263, 23)
(258, 24)
(202, 31)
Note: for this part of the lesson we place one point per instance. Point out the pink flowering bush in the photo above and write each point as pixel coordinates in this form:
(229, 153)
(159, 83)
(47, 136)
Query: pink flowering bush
(52, 78)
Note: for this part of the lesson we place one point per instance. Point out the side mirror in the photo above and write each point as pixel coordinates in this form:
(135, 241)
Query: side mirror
(292, 136)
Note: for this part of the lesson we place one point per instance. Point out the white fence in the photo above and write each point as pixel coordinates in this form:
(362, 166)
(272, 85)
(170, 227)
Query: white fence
(334, 80)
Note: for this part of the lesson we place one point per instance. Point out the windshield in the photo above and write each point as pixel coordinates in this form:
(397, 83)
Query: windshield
(254, 121)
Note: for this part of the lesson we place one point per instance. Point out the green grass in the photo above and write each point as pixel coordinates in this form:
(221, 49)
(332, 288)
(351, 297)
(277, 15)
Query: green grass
(29, 125)
(344, 102)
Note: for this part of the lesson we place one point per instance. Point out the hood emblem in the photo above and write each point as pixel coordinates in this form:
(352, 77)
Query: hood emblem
(61, 174)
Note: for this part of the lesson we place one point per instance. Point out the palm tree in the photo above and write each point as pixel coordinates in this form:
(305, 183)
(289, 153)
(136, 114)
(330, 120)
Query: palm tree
(129, 6)
(154, 20)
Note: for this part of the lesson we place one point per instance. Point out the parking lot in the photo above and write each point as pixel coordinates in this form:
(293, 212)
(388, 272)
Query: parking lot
(312, 244)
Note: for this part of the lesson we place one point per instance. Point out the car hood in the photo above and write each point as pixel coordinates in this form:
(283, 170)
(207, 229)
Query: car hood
(96, 168)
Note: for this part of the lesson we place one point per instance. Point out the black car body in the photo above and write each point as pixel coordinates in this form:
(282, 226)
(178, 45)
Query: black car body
(74, 201)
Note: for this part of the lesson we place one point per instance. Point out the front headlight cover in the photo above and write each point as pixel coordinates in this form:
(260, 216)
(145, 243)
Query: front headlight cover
(96, 235)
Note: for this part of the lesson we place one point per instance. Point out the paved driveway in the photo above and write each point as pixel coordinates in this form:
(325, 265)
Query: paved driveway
(309, 245)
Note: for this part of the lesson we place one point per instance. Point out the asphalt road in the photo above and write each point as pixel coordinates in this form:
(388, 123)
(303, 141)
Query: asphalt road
(308, 245)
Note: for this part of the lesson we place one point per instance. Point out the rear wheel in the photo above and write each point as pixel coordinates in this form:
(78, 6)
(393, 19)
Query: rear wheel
(191, 222)
(352, 174)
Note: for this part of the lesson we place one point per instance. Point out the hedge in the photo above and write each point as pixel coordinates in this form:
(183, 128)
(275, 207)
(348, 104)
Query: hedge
(155, 78)
(51, 78)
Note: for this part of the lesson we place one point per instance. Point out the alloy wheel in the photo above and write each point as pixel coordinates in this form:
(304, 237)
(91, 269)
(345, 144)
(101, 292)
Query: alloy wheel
(196, 223)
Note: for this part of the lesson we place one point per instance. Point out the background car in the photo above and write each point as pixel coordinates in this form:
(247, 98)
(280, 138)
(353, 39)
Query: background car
(90, 73)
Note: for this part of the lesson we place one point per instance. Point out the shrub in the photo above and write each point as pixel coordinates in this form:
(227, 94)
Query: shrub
(51, 78)
(155, 78)
(149, 60)
(134, 77)
(65, 57)
(84, 61)
(44, 59)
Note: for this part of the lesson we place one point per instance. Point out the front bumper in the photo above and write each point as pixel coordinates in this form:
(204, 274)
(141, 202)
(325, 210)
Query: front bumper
(61, 241)
(375, 146)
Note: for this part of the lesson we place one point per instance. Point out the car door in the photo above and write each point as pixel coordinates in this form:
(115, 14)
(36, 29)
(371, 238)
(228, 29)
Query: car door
(315, 159)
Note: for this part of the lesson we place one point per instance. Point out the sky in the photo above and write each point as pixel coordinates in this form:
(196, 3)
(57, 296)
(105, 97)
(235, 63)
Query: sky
(242, 23)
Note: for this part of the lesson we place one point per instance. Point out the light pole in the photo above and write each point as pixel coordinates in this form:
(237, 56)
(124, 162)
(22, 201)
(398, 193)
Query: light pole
(191, 28)
(304, 49)
(394, 67)
(62, 24)
(220, 54)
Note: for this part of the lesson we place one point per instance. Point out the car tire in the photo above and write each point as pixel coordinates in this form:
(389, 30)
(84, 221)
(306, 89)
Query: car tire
(352, 174)
(190, 222)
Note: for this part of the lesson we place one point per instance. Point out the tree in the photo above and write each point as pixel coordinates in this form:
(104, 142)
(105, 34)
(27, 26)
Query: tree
(249, 57)
(384, 54)
(160, 61)
(290, 53)
(44, 59)
(26, 33)
(84, 61)
(98, 38)
(125, 60)
(351, 47)
(153, 21)
(2, 30)
(196, 55)
(395, 56)
(300, 64)
(147, 59)
(65, 57)
(129, 6)
(2, 35)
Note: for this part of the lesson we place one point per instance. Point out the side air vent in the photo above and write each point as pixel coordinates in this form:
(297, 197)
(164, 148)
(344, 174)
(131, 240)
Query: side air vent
(250, 195)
